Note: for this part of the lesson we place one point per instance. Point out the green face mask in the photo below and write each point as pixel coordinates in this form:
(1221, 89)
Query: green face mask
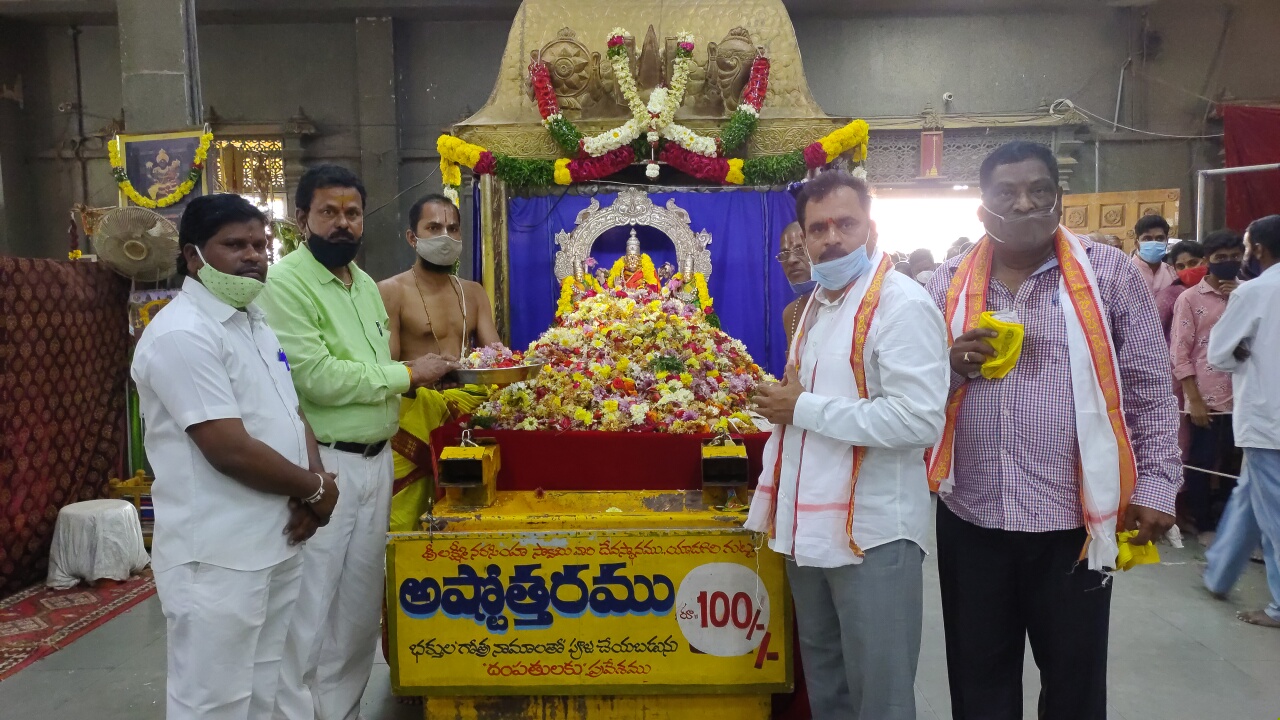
(233, 290)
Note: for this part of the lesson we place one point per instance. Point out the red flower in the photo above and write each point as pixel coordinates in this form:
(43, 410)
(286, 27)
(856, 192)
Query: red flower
(686, 46)
(758, 84)
(486, 164)
(814, 156)
(540, 78)
(585, 169)
(620, 293)
(693, 164)
(616, 40)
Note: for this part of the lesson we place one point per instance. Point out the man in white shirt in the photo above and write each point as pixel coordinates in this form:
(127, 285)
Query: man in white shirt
(844, 493)
(238, 483)
(1246, 343)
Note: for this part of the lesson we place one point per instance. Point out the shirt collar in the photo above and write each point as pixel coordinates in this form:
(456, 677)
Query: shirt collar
(214, 307)
(1204, 288)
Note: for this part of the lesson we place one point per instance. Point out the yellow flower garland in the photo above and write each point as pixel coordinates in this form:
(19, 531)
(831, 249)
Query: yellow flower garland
(735, 176)
(565, 304)
(700, 286)
(562, 175)
(850, 137)
(646, 267)
(183, 189)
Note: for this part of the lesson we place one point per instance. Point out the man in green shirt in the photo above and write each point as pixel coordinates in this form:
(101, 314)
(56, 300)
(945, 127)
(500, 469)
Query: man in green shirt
(333, 328)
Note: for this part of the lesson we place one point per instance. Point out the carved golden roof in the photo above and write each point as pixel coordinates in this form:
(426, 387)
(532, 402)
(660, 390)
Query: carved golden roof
(570, 36)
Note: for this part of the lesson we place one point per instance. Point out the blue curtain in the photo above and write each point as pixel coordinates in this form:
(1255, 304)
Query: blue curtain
(747, 284)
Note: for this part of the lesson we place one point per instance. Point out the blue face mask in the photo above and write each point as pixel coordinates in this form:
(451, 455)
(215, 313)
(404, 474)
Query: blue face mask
(837, 274)
(803, 288)
(1152, 251)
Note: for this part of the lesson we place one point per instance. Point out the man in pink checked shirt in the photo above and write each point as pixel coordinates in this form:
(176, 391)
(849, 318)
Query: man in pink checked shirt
(1207, 391)
(1036, 470)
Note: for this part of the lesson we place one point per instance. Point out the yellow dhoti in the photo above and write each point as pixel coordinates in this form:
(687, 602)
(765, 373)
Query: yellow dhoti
(414, 487)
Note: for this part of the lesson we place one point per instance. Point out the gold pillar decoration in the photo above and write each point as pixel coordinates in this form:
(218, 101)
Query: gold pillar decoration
(495, 274)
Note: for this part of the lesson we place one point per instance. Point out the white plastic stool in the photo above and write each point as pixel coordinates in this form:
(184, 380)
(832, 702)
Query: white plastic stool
(93, 540)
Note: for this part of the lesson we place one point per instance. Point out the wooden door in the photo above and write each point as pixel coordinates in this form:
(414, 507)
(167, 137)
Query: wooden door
(1115, 213)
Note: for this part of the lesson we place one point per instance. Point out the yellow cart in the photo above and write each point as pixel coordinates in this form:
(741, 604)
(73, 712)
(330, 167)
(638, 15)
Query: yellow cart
(585, 606)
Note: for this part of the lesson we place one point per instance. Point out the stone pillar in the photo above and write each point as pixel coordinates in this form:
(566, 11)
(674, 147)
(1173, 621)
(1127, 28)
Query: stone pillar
(385, 252)
(159, 67)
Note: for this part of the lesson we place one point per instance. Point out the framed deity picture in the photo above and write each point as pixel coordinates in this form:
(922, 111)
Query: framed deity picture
(164, 170)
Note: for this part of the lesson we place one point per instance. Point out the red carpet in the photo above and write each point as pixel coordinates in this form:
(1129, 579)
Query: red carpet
(38, 621)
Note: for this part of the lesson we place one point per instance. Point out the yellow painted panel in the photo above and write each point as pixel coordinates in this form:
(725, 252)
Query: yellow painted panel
(528, 511)
(663, 609)
(644, 707)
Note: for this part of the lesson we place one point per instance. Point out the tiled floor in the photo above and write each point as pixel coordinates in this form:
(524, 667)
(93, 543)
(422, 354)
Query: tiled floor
(1176, 654)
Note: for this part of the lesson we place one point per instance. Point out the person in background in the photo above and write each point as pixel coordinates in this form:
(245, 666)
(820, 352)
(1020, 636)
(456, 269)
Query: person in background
(959, 247)
(795, 265)
(1207, 391)
(1187, 260)
(432, 311)
(843, 495)
(1246, 343)
(921, 262)
(239, 482)
(1032, 496)
(333, 327)
(1153, 245)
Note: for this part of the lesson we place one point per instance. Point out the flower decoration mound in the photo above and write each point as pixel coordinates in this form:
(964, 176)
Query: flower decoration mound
(639, 362)
(184, 188)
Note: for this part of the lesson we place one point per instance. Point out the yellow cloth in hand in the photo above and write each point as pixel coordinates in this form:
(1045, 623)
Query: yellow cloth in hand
(1007, 342)
(419, 416)
(1134, 555)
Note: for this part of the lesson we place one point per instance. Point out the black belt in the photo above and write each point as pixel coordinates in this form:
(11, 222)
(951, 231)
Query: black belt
(361, 449)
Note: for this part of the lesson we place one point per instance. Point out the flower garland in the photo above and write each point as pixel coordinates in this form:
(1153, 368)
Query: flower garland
(516, 172)
(618, 60)
(769, 170)
(646, 268)
(564, 305)
(774, 169)
(183, 189)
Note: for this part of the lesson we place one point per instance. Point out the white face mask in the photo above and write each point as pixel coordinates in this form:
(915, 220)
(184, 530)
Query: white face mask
(438, 250)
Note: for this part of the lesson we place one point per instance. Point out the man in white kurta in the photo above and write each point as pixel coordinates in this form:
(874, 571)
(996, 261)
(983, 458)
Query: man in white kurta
(229, 449)
(863, 396)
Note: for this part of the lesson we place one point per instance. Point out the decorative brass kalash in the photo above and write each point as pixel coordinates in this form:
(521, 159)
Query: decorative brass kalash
(623, 585)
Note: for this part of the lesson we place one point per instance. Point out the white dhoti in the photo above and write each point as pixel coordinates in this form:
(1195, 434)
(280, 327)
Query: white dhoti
(226, 636)
(337, 621)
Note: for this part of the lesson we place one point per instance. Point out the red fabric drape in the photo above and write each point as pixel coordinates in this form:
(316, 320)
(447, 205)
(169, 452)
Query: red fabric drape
(63, 366)
(1252, 138)
(591, 460)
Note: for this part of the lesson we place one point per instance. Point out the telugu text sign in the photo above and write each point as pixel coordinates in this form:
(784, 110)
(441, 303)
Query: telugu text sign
(625, 611)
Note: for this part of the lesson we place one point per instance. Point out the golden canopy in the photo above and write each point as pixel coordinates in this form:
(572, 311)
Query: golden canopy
(570, 36)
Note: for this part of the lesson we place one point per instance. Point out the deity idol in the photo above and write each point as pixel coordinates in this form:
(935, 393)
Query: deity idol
(632, 276)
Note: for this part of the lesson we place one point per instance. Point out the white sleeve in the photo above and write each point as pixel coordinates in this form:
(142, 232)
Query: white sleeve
(911, 354)
(1239, 322)
(186, 372)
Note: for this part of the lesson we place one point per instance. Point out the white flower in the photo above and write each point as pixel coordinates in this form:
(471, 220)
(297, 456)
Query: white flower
(658, 100)
(860, 173)
(748, 110)
(550, 119)
(653, 137)
(684, 36)
(651, 171)
(619, 32)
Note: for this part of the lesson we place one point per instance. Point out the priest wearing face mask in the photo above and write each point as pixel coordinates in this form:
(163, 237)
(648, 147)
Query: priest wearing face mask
(1040, 469)
(235, 465)
(1153, 244)
(432, 311)
(843, 495)
(334, 330)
